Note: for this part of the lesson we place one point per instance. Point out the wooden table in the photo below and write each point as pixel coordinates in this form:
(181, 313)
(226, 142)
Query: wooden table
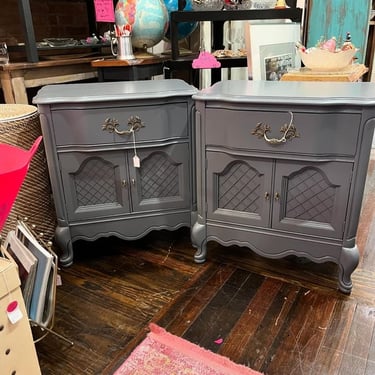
(144, 66)
(351, 74)
(15, 78)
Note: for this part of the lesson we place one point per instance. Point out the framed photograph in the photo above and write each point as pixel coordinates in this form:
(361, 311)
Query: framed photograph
(274, 67)
(271, 49)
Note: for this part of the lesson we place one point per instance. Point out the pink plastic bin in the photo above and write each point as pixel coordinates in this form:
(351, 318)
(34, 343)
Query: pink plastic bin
(14, 164)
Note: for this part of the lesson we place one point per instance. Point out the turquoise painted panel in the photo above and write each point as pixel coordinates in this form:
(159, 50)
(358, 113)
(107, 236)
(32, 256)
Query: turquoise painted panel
(328, 18)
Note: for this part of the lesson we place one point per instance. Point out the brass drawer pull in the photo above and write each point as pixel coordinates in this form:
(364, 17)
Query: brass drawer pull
(134, 124)
(289, 132)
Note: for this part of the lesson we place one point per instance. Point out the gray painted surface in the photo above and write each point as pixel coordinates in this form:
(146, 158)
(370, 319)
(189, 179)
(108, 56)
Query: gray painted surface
(300, 195)
(97, 188)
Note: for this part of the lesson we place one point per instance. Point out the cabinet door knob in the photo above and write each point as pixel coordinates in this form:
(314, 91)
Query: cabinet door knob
(267, 195)
(124, 183)
(133, 181)
(277, 196)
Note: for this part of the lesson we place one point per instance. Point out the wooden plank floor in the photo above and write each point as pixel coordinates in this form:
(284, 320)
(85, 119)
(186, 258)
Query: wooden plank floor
(280, 317)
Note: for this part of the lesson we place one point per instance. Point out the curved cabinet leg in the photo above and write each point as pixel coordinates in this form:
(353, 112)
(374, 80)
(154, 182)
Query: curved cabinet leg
(198, 239)
(349, 260)
(64, 242)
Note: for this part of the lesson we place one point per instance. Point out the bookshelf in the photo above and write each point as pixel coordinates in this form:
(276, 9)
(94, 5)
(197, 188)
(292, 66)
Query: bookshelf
(217, 19)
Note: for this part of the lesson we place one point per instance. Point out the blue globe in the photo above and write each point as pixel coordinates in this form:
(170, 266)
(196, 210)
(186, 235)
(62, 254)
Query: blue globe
(148, 20)
(184, 28)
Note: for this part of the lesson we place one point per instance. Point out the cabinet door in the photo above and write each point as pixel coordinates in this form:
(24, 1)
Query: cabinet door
(238, 189)
(311, 198)
(95, 184)
(162, 180)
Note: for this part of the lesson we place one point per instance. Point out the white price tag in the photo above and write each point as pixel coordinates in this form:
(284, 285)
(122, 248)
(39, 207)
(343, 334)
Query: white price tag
(136, 161)
(14, 312)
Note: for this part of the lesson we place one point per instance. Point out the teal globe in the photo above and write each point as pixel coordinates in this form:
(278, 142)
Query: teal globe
(184, 28)
(148, 21)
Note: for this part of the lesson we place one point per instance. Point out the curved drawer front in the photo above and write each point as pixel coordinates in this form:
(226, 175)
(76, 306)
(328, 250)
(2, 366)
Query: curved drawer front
(316, 133)
(85, 127)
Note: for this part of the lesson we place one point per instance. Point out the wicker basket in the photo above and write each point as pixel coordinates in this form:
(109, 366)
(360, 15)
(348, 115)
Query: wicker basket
(20, 126)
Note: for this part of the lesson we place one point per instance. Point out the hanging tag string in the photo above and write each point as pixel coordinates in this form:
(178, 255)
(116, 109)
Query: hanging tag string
(134, 146)
(136, 161)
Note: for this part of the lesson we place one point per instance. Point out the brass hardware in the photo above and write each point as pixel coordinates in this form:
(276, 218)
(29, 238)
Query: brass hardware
(267, 195)
(289, 132)
(134, 124)
(124, 183)
(133, 181)
(277, 196)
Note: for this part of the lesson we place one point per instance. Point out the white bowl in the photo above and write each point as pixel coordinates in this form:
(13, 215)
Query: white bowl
(326, 61)
(60, 42)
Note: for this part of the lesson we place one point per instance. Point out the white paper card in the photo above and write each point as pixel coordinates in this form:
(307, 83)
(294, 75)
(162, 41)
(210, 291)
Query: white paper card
(14, 312)
(271, 49)
(136, 161)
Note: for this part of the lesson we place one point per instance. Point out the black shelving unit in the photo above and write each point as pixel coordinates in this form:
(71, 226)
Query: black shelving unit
(218, 18)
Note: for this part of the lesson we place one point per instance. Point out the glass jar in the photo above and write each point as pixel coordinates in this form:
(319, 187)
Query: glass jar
(237, 4)
(207, 4)
(263, 4)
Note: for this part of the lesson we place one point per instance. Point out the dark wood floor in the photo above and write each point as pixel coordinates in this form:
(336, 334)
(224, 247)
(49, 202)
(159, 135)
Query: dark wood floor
(280, 317)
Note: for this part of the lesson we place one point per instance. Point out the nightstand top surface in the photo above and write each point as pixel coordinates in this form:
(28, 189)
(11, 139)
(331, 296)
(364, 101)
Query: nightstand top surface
(115, 91)
(293, 92)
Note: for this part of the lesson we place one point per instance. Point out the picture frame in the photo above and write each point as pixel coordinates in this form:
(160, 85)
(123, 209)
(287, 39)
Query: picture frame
(271, 48)
(42, 277)
(26, 263)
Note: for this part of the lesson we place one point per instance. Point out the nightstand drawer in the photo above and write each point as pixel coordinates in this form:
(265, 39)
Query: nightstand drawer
(85, 126)
(316, 133)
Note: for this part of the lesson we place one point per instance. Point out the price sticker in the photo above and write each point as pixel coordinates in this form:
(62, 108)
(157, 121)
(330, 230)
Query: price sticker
(14, 312)
(136, 161)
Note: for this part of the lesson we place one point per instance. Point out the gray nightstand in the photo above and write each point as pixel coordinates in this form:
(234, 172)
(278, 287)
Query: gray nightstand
(91, 134)
(281, 168)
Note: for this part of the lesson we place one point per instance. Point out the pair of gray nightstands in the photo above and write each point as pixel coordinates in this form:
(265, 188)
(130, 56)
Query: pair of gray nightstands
(279, 167)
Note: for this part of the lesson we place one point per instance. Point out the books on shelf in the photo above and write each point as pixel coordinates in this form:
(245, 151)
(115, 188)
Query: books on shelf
(271, 48)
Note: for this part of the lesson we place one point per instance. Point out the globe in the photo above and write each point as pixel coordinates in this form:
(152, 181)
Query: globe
(184, 28)
(148, 20)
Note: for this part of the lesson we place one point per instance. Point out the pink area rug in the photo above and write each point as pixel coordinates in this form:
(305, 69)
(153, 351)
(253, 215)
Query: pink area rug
(162, 353)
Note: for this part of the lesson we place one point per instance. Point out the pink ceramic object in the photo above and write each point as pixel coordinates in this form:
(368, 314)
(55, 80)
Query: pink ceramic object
(206, 61)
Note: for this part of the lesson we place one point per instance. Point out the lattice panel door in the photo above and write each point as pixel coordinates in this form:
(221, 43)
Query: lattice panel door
(240, 190)
(160, 182)
(311, 197)
(95, 183)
